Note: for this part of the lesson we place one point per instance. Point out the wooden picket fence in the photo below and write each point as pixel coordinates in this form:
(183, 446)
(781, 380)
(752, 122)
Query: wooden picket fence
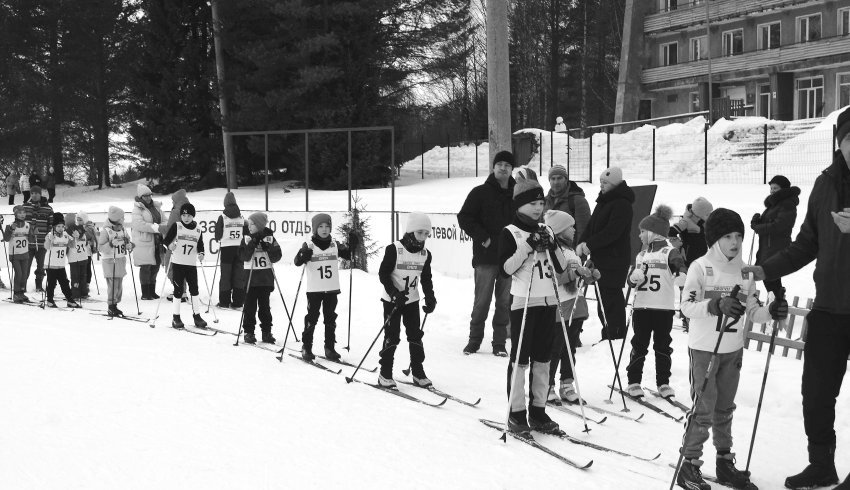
(789, 340)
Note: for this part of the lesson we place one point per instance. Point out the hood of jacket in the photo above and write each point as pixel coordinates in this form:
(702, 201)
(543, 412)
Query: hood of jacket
(791, 193)
(621, 191)
(232, 211)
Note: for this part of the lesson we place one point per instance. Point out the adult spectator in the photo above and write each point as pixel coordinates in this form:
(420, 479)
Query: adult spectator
(607, 240)
(39, 215)
(774, 225)
(147, 218)
(565, 195)
(824, 236)
(35, 179)
(12, 186)
(487, 210)
(50, 184)
(24, 186)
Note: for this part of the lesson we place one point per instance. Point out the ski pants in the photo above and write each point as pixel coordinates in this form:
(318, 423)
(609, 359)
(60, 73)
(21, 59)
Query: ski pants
(187, 274)
(114, 290)
(490, 280)
(536, 349)
(257, 304)
(610, 292)
(21, 268)
(717, 403)
(409, 314)
(824, 365)
(326, 302)
(37, 256)
(90, 271)
(657, 324)
(560, 356)
(231, 286)
(58, 276)
(147, 274)
(78, 275)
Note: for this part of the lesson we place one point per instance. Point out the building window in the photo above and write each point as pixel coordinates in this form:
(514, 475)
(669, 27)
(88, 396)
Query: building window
(699, 48)
(668, 5)
(669, 54)
(764, 100)
(809, 97)
(843, 84)
(808, 28)
(769, 35)
(733, 42)
(693, 102)
(843, 21)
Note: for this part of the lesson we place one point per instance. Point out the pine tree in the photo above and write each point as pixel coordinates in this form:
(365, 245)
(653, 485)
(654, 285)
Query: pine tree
(354, 224)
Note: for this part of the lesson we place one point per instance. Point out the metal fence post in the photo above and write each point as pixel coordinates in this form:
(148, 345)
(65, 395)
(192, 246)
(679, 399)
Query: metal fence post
(540, 149)
(705, 155)
(653, 153)
(266, 152)
(608, 148)
(590, 155)
(765, 154)
(551, 148)
(476, 158)
(306, 171)
(349, 171)
(392, 180)
(422, 153)
(568, 154)
(448, 158)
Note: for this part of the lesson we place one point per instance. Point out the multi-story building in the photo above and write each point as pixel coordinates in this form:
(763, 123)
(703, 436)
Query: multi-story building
(782, 59)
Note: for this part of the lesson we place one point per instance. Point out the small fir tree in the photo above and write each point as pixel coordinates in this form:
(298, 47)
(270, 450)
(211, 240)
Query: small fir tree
(354, 224)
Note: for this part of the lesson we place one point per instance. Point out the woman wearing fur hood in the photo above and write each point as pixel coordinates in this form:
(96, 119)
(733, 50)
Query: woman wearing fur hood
(147, 218)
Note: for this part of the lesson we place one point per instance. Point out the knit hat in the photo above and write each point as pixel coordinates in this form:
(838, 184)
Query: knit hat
(70, 220)
(229, 199)
(18, 208)
(782, 181)
(259, 219)
(58, 218)
(143, 190)
(842, 126)
(612, 175)
(701, 208)
(659, 221)
(504, 156)
(559, 221)
(115, 214)
(319, 219)
(417, 221)
(83, 216)
(527, 190)
(558, 170)
(187, 209)
(35, 190)
(721, 222)
(179, 196)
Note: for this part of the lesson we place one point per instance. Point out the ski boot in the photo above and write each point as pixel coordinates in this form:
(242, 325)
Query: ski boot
(250, 338)
(666, 391)
(307, 352)
(819, 473)
(845, 485)
(538, 420)
(20, 298)
(499, 351)
(112, 310)
(634, 390)
(50, 303)
(553, 395)
(727, 474)
(518, 423)
(267, 336)
(690, 476)
(471, 348)
(568, 392)
(386, 382)
(332, 354)
(422, 381)
(176, 322)
(72, 304)
(199, 322)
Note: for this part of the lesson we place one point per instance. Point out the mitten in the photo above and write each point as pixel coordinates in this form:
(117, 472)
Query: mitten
(430, 304)
(637, 276)
(726, 305)
(400, 299)
(778, 309)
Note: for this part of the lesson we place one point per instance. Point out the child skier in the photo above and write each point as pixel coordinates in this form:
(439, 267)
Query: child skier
(688, 235)
(322, 254)
(19, 234)
(406, 265)
(659, 269)
(229, 230)
(258, 250)
(523, 247)
(563, 226)
(91, 238)
(186, 242)
(709, 280)
(114, 244)
(78, 257)
(57, 244)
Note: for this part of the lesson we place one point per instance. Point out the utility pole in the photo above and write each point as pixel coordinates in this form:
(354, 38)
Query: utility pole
(498, 81)
(229, 163)
(708, 50)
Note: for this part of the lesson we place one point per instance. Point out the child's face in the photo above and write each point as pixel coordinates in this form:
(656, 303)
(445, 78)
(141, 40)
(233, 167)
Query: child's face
(421, 235)
(252, 227)
(59, 229)
(21, 215)
(730, 244)
(533, 209)
(324, 230)
(78, 221)
(645, 238)
(186, 218)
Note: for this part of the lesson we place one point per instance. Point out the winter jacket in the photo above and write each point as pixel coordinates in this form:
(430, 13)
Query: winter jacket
(50, 182)
(146, 235)
(515, 257)
(487, 210)
(228, 254)
(23, 184)
(260, 277)
(609, 231)
(776, 222)
(342, 249)
(7, 236)
(388, 265)
(80, 238)
(573, 203)
(34, 179)
(40, 217)
(691, 231)
(178, 199)
(48, 244)
(820, 239)
(12, 184)
(113, 268)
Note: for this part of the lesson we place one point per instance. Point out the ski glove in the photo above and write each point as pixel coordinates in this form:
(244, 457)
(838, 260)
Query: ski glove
(430, 304)
(540, 241)
(305, 254)
(726, 305)
(637, 276)
(778, 309)
(756, 220)
(400, 299)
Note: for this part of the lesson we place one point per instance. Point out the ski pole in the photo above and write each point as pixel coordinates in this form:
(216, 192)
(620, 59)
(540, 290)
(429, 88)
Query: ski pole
(46, 271)
(623, 343)
(518, 351)
(280, 292)
(217, 257)
(294, 304)
(722, 326)
(161, 295)
(247, 290)
(567, 340)
(383, 327)
(422, 328)
(209, 291)
(764, 383)
(94, 275)
(350, 291)
(752, 247)
(607, 329)
(133, 278)
(12, 284)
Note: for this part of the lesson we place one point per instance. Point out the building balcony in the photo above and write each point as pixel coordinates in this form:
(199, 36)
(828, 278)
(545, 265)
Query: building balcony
(719, 10)
(752, 61)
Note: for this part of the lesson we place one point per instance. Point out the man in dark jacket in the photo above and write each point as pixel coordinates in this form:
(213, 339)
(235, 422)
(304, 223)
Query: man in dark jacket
(607, 240)
(50, 184)
(774, 225)
(565, 195)
(489, 208)
(825, 237)
(40, 217)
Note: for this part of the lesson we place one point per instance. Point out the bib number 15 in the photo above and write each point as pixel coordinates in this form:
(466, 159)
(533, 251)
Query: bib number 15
(325, 272)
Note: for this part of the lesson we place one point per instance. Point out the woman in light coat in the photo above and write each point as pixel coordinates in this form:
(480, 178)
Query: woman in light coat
(147, 218)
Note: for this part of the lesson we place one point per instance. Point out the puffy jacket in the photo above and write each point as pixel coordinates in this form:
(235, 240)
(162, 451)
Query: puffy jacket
(574, 203)
(40, 217)
(146, 234)
(260, 277)
(777, 221)
(820, 239)
(488, 208)
(609, 231)
(691, 231)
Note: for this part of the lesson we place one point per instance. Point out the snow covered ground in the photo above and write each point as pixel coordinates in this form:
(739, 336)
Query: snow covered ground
(90, 402)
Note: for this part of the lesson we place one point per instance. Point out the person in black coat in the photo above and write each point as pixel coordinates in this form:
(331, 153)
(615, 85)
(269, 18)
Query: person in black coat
(487, 210)
(774, 225)
(607, 240)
